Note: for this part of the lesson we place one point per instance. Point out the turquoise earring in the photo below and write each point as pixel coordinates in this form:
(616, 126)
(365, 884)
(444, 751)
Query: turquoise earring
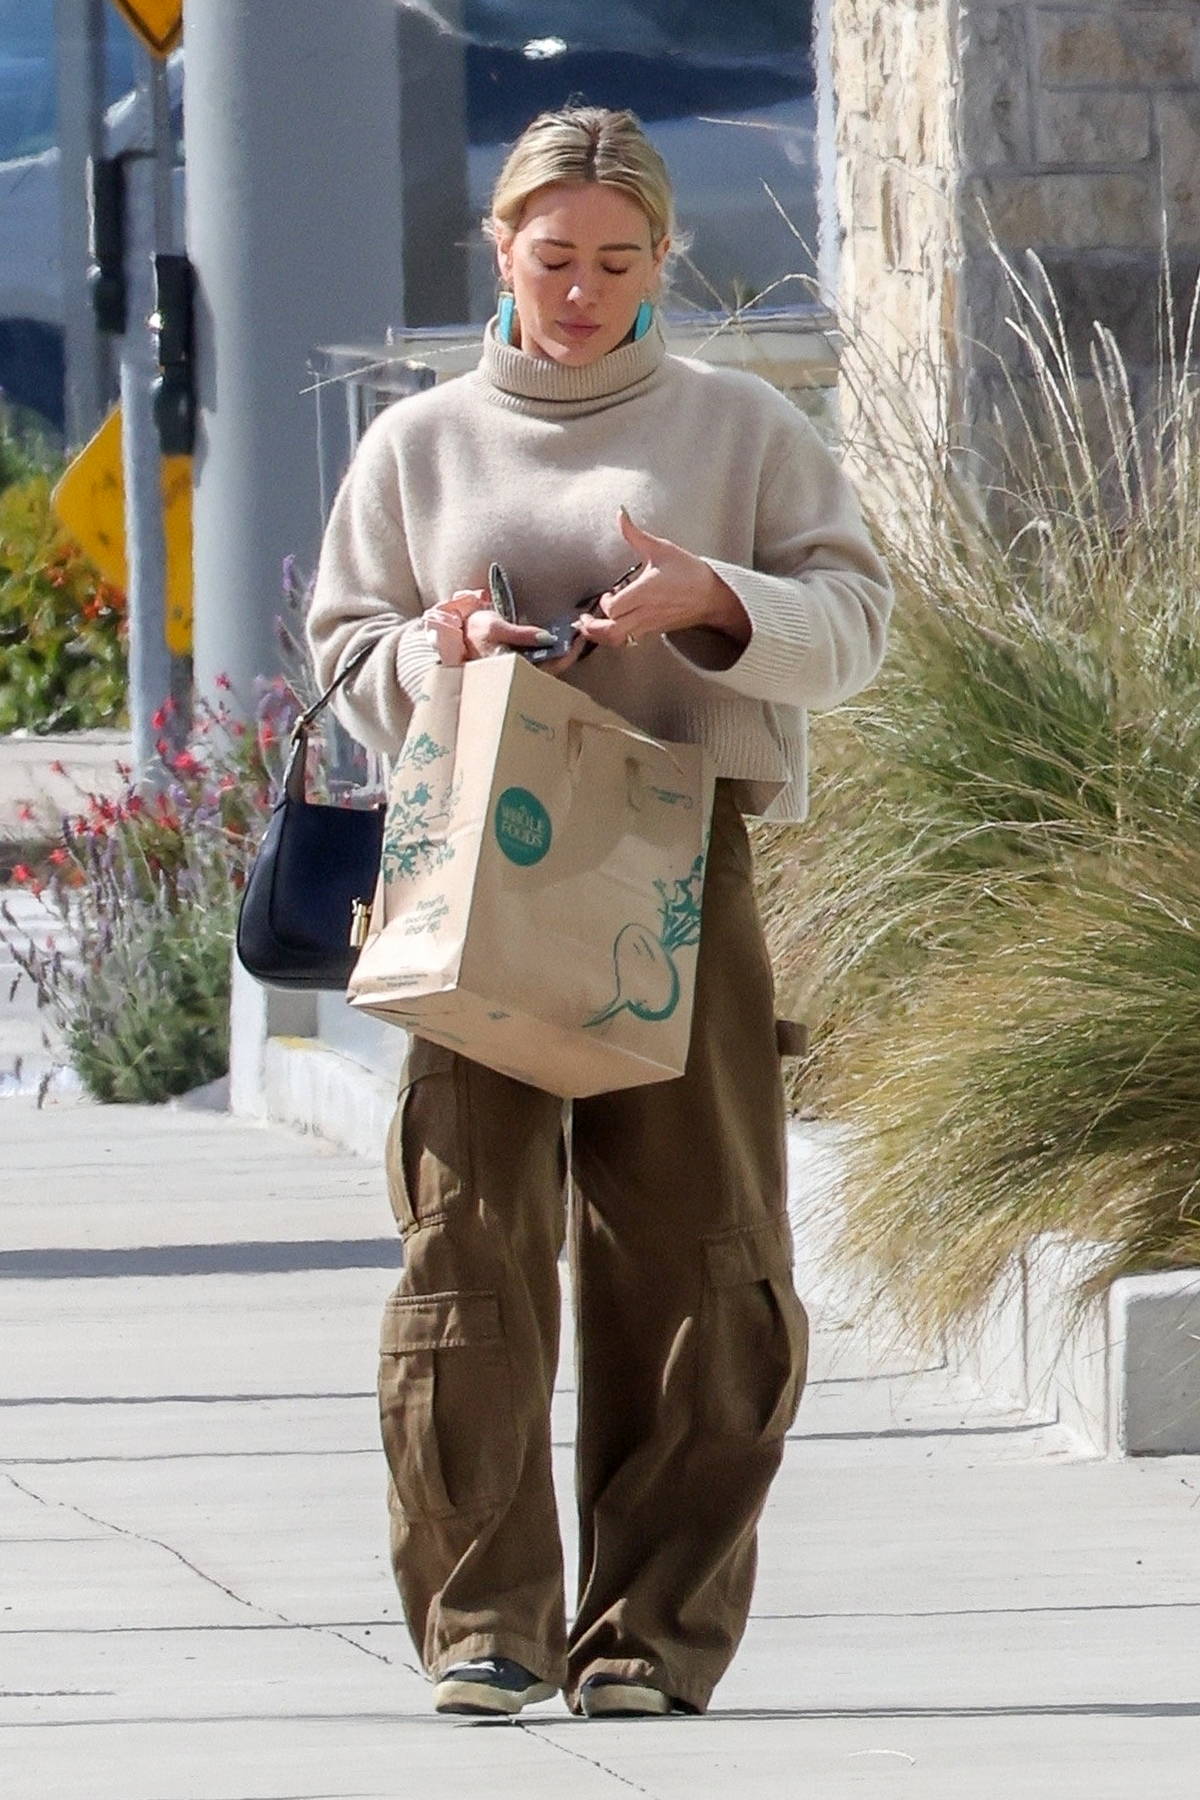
(506, 314)
(642, 320)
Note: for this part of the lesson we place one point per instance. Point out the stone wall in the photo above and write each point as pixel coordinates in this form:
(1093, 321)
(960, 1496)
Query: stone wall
(895, 85)
(1069, 127)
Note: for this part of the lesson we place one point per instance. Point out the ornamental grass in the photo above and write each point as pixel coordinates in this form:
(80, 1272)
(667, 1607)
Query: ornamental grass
(991, 918)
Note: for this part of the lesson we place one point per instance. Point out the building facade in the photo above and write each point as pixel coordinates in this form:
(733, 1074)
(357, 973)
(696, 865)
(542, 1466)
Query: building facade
(964, 128)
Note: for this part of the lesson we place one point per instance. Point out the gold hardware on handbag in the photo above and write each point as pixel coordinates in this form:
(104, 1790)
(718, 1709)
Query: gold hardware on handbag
(360, 923)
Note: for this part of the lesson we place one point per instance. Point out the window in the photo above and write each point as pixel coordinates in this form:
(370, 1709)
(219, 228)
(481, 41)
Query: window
(725, 92)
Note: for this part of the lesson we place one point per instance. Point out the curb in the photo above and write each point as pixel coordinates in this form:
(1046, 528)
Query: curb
(44, 778)
(1122, 1376)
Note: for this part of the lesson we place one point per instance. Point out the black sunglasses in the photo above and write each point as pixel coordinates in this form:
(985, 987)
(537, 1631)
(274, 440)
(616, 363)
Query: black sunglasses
(563, 627)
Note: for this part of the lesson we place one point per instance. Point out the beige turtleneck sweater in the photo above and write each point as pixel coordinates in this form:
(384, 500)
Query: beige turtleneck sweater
(526, 463)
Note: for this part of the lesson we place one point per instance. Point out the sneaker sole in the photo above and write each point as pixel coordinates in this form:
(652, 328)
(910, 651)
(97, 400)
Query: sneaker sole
(477, 1699)
(616, 1700)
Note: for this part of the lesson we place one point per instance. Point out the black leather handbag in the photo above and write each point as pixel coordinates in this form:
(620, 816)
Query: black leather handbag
(315, 868)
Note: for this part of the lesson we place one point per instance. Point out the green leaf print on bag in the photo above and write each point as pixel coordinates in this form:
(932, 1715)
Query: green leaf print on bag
(410, 846)
(647, 979)
(679, 908)
(421, 752)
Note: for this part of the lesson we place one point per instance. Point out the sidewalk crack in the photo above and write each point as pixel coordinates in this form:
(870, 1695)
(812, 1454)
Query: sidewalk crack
(554, 1743)
(143, 1537)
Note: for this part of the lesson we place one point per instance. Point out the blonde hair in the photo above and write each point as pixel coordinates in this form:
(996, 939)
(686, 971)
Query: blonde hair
(583, 144)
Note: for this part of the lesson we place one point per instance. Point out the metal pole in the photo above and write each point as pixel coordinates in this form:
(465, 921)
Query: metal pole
(160, 139)
(294, 203)
(164, 238)
(79, 47)
(150, 673)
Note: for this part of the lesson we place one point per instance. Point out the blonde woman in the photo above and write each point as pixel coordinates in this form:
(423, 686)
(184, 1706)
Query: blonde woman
(577, 448)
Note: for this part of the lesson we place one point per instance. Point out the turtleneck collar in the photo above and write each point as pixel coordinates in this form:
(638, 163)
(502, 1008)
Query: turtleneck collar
(534, 384)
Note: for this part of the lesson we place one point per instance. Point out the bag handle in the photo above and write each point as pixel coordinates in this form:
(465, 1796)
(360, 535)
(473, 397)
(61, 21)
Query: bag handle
(575, 729)
(295, 785)
(634, 775)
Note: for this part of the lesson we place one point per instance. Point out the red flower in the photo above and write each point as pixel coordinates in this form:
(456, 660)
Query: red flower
(21, 874)
(187, 764)
(57, 768)
(223, 681)
(58, 856)
(25, 811)
(158, 719)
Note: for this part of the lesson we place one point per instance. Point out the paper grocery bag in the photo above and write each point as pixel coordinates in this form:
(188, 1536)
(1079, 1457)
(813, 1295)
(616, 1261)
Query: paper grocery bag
(538, 905)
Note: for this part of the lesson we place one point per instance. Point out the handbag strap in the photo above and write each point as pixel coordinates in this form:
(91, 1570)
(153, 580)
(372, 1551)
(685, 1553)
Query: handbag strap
(294, 786)
(304, 722)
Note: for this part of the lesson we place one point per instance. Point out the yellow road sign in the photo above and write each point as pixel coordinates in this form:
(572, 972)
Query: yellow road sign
(89, 503)
(177, 528)
(159, 23)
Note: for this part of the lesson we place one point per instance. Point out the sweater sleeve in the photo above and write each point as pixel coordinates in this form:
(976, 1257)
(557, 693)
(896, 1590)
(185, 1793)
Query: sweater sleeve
(818, 597)
(365, 592)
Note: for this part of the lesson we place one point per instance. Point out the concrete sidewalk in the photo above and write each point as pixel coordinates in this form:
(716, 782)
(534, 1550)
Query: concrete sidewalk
(195, 1602)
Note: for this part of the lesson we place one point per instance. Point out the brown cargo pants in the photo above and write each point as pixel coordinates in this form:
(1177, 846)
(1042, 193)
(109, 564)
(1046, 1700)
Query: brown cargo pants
(691, 1343)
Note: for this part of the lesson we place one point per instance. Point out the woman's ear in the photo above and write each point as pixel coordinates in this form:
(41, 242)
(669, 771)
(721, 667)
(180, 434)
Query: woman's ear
(504, 260)
(660, 256)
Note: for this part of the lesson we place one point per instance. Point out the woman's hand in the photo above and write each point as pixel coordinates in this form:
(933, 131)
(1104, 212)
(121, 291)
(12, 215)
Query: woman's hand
(674, 591)
(467, 626)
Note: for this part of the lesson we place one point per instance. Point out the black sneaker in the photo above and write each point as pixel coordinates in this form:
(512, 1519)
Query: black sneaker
(489, 1686)
(621, 1696)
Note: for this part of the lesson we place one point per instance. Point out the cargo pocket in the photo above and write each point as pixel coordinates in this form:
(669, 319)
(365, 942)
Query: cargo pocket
(445, 1404)
(754, 1335)
(427, 1146)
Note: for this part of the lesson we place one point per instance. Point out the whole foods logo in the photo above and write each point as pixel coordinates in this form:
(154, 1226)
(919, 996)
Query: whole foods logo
(522, 826)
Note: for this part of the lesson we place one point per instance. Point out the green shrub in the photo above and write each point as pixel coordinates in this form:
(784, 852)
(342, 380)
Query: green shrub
(62, 628)
(144, 890)
(21, 454)
(151, 1019)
